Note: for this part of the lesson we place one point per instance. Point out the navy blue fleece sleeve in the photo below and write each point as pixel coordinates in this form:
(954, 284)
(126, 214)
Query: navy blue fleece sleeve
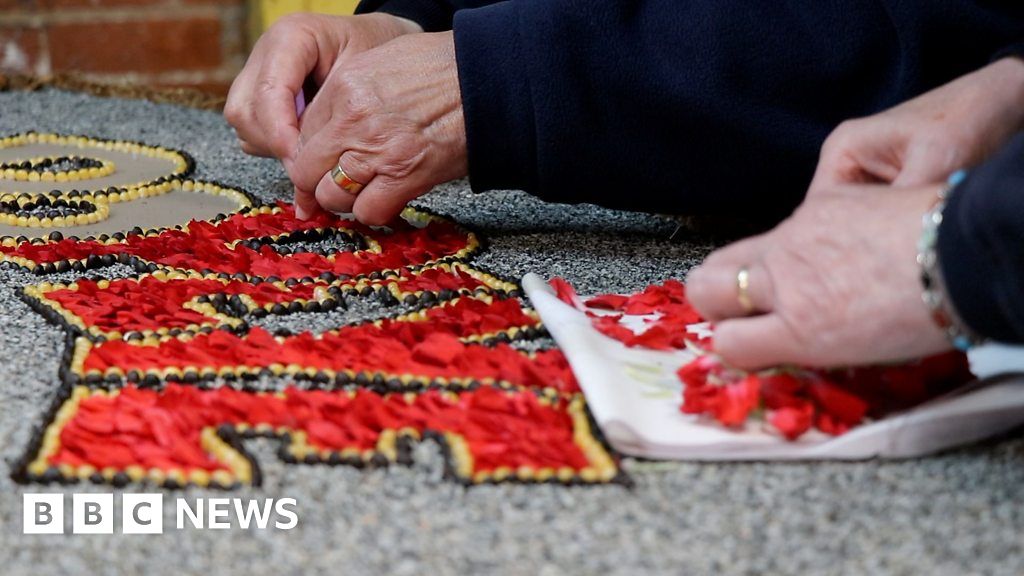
(981, 246)
(1015, 50)
(431, 15)
(700, 105)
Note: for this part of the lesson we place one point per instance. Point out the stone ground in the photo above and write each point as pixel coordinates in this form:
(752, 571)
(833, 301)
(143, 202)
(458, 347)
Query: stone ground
(957, 513)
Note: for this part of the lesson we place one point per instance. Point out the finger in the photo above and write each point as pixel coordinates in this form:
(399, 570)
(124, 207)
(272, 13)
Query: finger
(317, 156)
(253, 149)
(926, 164)
(717, 294)
(328, 194)
(713, 286)
(238, 108)
(847, 171)
(758, 342)
(316, 116)
(239, 92)
(843, 168)
(384, 198)
(858, 152)
(305, 205)
(332, 197)
(279, 84)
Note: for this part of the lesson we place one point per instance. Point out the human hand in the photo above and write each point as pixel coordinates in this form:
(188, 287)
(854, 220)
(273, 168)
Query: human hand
(835, 284)
(261, 102)
(391, 117)
(924, 140)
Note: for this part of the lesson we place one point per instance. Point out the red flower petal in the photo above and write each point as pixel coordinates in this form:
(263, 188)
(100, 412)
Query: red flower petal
(737, 401)
(792, 421)
(438, 349)
(608, 302)
(565, 292)
(843, 406)
(782, 390)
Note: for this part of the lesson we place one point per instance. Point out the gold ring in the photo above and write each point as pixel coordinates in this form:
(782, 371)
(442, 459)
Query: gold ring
(743, 290)
(343, 180)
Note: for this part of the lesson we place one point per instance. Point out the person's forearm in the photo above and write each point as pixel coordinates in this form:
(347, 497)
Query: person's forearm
(981, 246)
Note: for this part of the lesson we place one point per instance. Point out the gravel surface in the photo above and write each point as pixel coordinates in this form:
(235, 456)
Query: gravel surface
(958, 513)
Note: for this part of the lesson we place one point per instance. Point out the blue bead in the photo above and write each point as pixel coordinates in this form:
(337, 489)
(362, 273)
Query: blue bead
(957, 177)
(962, 343)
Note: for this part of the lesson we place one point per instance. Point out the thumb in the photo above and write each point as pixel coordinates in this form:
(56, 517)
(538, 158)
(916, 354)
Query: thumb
(859, 152)
(927, 163)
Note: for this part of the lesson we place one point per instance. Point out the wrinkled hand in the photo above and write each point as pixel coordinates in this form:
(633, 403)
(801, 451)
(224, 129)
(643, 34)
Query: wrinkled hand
(261, 104)
(835, 284)
(392, 118)
(924, 140)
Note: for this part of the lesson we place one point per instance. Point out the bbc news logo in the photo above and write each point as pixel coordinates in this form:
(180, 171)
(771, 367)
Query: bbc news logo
(144, 513)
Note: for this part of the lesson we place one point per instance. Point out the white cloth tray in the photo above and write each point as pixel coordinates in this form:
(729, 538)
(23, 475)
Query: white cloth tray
(635, 395)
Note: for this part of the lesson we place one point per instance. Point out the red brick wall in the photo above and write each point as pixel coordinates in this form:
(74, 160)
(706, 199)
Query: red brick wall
(192, 43)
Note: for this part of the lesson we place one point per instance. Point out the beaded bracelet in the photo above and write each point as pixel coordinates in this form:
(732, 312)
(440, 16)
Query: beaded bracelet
(935, 295)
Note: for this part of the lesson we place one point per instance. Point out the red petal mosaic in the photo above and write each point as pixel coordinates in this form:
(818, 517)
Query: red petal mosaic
(214, 247)
(156, 375)
(183, 434)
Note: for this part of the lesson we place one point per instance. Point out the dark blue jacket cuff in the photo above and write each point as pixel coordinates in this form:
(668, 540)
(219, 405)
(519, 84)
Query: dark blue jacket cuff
(431, 15)
(979, 246)
(1016, 49)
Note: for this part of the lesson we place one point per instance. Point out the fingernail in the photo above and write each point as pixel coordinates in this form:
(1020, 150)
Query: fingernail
(301, 213)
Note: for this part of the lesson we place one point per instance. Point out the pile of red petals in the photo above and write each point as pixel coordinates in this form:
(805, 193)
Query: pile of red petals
(667, 331)
(794, 400)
